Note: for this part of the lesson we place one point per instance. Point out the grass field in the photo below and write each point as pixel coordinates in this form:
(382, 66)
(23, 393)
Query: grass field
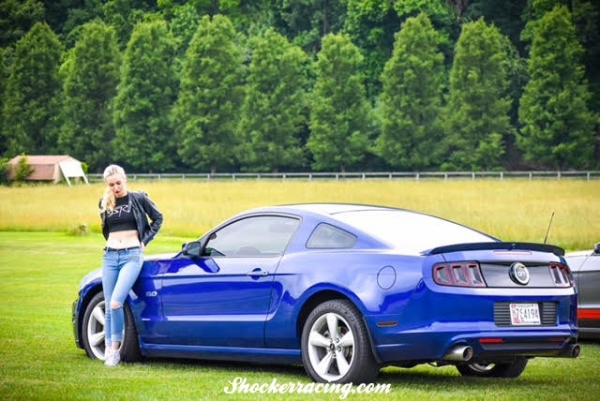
(39, 276)
(508, 209)
(41, 265)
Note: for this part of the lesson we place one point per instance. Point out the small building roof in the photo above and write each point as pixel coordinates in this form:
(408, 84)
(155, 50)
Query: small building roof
(42, 159)
(45, 167)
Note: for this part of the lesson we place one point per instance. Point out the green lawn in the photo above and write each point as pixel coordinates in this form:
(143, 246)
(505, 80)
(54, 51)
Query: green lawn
(39, 276)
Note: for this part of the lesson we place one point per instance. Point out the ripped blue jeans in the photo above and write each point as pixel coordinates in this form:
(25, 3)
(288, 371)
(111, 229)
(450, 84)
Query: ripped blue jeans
(120, 270)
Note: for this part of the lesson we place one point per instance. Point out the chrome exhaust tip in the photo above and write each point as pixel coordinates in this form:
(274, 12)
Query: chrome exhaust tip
(571, 351)
(575, 350)
(462, 353)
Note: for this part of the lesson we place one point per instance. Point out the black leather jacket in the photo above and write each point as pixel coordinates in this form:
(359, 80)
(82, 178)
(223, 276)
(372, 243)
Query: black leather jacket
(142, 208)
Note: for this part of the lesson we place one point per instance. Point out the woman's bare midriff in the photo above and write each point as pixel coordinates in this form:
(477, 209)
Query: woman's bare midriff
(123, 239)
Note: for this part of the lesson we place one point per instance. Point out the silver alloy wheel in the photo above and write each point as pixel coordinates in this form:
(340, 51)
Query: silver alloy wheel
(331, 346)
(95, 331)
(481, 368)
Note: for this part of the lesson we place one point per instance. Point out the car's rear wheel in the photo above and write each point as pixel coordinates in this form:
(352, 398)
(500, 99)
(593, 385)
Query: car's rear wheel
(504, 370)
(335, 345)
(93, 335)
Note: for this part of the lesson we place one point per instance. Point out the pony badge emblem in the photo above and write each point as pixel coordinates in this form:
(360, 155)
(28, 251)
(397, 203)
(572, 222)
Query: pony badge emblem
(519, 274)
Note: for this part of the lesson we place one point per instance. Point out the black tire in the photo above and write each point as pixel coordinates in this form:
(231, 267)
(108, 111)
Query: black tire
(351, 360)
(92, 332)
(502, 370)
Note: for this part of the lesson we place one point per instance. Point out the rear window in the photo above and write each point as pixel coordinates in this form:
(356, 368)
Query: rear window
(328, 236)
(411, 231)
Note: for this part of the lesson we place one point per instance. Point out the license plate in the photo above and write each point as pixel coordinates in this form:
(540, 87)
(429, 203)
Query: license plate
(525, 315)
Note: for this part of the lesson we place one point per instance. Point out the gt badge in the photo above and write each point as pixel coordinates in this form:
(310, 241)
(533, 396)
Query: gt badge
(519, 274)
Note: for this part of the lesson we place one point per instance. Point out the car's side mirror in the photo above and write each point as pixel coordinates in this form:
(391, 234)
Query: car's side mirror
(597, 248)
(192, 249)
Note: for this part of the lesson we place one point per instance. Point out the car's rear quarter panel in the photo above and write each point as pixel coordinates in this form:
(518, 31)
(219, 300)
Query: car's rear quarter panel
(350, 274)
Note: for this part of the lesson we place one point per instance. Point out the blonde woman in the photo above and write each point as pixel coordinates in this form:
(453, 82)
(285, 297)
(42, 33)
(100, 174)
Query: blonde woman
(127, 232)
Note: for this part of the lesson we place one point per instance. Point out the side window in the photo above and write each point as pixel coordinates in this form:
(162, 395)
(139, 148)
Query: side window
(328, 236)
(259, 236)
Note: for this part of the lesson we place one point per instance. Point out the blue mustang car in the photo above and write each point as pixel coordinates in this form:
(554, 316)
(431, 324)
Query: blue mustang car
(345, 289)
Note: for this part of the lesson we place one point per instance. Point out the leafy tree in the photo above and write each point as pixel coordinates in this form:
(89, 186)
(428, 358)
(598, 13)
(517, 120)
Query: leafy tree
(274, 112)
(306, 22)
(478, 110)
(91, 76)
(17, 17)
(339, 117)
(412, 97)
(67, 17)
(585, 15)
(445, 16)
(31, 98)
(371, 26)
(210, 96)
(145, 95)
(183, 25)
(23, 169)
(506, 15)
(5, 168)
(124, 15)
(3, 78)
(557, 124)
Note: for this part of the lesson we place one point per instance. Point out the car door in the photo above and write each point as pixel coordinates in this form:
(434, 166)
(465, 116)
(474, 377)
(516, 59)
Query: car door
(222, 298)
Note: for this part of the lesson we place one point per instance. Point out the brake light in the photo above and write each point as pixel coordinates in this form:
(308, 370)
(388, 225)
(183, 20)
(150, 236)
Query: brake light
(561, 274)
(458, 274)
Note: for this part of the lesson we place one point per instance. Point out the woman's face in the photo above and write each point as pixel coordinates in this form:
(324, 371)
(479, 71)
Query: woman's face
(117, 184)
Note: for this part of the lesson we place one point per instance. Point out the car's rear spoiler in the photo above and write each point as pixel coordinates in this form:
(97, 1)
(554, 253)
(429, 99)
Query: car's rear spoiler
(509, 246)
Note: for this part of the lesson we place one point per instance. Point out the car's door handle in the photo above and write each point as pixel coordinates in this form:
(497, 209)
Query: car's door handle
(258, 273)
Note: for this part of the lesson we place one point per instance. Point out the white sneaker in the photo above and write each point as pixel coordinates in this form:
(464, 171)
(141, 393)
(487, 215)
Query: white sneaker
(113, 358)
(107, 352)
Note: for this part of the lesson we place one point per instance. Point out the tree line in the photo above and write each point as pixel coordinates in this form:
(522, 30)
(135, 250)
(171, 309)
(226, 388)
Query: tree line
(274, 85)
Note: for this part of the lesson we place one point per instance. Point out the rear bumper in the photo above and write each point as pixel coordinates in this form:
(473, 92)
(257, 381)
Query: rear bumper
(433, 343)
(553, 347)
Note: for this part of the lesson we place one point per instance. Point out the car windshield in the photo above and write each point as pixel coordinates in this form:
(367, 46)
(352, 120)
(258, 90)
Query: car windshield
(410, 231)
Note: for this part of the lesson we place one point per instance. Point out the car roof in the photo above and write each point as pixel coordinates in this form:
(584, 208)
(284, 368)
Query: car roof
(326, 209)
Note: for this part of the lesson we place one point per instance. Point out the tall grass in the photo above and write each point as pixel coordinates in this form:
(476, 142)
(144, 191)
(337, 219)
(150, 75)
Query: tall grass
(508, 209)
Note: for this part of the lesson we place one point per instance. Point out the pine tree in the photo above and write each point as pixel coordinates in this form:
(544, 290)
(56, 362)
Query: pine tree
(557, 124)
(3, 78)
(478, 111)
(145, 95)
(210, 96)
(32, 94)
(411, 100)
(274, 112)
(339, 116)
(91, 76)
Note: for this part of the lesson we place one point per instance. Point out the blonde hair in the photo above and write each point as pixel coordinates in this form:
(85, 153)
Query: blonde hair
(108, 200)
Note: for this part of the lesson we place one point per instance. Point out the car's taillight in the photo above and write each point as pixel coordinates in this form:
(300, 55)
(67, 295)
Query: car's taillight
(561, 274)
(459, 274)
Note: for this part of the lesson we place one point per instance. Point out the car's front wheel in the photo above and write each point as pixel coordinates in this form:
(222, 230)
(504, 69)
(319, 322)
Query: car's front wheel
(92, 333)
(503, 370)
(335, 345)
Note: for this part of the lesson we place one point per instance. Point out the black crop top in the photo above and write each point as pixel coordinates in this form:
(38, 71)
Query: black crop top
(121, 217)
